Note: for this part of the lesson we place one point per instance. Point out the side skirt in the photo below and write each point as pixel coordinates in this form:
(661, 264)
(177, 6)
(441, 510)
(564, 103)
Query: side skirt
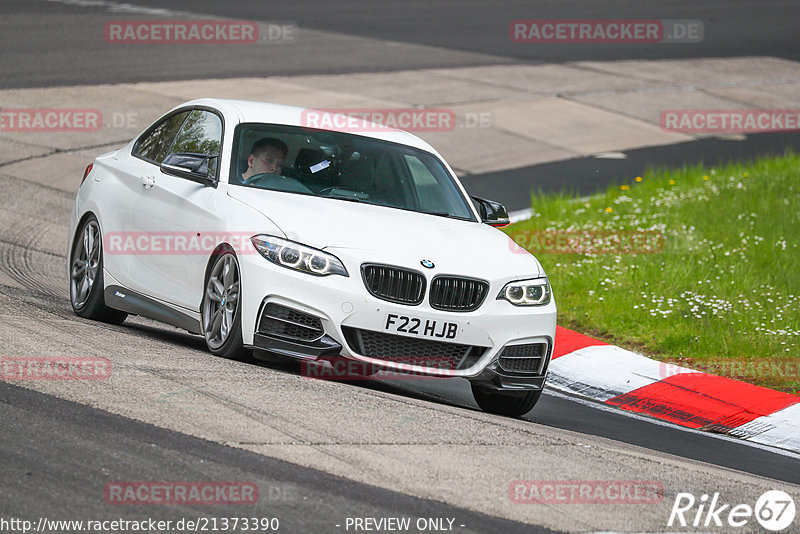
(124, 299)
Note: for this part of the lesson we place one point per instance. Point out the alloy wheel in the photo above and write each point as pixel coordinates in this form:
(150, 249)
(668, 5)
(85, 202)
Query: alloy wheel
(222, 301)
(85, 263)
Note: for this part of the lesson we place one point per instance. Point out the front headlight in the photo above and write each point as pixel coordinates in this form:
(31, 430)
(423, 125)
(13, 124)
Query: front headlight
(526, 292)
(298, 257)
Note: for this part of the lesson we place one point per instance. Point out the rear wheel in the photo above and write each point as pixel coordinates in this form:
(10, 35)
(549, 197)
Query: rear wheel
(508, 403)
(222, 310)
(86, 276)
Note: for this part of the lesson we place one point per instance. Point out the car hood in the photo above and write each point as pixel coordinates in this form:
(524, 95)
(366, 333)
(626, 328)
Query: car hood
(377, 233)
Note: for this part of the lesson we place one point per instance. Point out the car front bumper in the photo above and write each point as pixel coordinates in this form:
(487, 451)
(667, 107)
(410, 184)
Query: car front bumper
(343, 306)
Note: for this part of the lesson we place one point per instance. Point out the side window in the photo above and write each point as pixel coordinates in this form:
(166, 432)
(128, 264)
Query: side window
(154, 147)
(200, 135)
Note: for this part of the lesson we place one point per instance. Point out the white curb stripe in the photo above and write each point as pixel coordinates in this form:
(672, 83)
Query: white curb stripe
(606, 371)
(779, 429)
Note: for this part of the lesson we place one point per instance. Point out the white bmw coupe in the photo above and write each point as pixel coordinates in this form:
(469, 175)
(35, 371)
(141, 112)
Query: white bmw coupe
(235, 220)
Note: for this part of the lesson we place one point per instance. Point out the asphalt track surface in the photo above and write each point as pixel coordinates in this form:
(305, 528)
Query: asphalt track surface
(588, 175)
(50, 444)
(54, 43)
(733, 28)
(58, 453)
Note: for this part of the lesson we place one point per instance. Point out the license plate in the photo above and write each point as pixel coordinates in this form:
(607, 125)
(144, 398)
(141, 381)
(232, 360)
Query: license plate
(407, 325)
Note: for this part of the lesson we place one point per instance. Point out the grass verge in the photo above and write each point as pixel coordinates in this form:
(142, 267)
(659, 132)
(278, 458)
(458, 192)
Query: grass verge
(697, 266)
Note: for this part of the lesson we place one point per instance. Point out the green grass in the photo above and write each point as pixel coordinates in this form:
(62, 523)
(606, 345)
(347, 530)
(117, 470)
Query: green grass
(723, 292)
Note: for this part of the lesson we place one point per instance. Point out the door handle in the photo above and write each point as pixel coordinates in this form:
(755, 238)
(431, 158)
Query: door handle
(148, 181)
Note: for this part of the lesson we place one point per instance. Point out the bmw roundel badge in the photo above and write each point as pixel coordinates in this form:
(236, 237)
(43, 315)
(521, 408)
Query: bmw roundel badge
(427, 263)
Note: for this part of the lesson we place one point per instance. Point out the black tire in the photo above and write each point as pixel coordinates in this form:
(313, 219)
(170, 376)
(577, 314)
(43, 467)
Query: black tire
(509, 404)
(231, 345)
(86, 276)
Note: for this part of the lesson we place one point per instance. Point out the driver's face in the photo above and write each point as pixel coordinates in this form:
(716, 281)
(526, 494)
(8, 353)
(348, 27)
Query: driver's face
(269, 160)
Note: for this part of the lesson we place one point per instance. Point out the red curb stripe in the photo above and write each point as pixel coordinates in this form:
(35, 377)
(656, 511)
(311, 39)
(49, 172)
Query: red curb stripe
(701, 400)
(568, 341)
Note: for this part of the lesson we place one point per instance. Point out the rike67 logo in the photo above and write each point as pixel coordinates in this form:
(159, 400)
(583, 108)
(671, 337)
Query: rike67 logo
(774, 511)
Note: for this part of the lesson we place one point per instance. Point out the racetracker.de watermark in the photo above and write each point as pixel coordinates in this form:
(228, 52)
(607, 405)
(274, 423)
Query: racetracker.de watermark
(564, 31)
(380, 119)
(344, 369)
(50, 120)
(730, 120)
(586, 491)
(586, 241)
(175, 243)
(180, 493)
(779, 369)
(54, 368)
(199, 32)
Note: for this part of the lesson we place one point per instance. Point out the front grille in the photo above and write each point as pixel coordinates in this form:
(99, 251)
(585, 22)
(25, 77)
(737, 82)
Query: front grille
(280, 321)
(455, 293)
(411, 351)
(394, 284)
(526, 359)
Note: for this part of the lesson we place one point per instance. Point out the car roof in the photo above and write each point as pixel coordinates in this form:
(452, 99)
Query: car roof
(264, 112)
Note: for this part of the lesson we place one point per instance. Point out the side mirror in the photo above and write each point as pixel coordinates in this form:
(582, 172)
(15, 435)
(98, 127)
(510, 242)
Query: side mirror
(190, 166)
(492, 213)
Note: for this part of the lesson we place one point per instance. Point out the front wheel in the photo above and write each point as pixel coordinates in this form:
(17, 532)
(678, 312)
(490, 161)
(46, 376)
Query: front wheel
(222, 310)
(507, 403)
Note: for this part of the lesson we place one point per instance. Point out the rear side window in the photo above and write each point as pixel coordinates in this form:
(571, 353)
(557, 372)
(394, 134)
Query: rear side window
(155, 145)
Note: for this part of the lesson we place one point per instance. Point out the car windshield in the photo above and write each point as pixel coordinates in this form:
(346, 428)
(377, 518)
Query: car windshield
(344, 167)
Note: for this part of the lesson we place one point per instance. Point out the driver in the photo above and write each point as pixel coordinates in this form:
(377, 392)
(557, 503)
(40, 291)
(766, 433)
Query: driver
(266, 156)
